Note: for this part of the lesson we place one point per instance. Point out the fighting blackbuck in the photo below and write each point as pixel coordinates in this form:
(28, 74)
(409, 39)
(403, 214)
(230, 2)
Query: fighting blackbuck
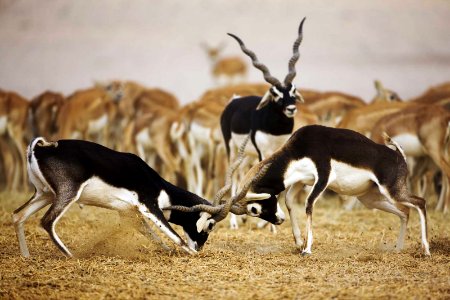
(69, 171)
(347, 163)
(269, 119)
(338, 159)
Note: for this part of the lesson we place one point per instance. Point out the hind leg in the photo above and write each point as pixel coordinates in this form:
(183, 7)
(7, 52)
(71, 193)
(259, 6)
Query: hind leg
(403, 197)
(20, 215)
(420, 205)
(64, 199)
(374, 199)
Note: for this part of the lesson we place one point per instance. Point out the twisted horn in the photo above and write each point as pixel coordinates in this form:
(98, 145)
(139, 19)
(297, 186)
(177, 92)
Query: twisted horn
(200, 207)
(231, 203)
(291, 75)
(233, 167)
(269, 78)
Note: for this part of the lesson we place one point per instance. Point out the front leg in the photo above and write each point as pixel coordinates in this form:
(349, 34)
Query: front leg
(318, 188)
(289, 200)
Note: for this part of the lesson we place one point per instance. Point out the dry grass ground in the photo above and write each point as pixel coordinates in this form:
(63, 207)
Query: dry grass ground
(353, 257)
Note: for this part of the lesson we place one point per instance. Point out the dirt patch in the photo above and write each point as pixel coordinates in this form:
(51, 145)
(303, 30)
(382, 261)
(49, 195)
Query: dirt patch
(353, 256)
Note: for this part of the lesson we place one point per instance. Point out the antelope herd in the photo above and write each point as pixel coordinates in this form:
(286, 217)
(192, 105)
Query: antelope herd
(251, 141)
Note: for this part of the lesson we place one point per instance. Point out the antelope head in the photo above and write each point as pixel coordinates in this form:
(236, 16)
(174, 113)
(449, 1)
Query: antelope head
(240, 204)
(283, 95)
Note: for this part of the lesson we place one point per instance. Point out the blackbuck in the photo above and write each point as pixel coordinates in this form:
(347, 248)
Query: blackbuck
(347, 163)
(69, 171)
(269, 119)
(338, 159)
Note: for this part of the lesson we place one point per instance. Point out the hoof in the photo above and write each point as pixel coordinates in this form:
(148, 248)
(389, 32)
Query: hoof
(304, 253)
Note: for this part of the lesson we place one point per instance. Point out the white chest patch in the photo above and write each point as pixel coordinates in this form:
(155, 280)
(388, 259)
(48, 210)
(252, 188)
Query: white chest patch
(99, 193)
(3, 123)
(410, 144)
(348, 180)
(97, 125)
(268, 143)
(238, 139)
(303, 170)
(164, 201)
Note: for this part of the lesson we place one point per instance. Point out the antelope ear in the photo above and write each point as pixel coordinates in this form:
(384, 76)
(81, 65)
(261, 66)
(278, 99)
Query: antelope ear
(378, 86)
(265, 100)
(202, 221)
(257, 196)
(299, 97)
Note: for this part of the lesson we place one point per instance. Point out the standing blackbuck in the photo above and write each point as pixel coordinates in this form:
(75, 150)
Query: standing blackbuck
(338, 159)
(269, 119)
(69, 171)
(347, 163)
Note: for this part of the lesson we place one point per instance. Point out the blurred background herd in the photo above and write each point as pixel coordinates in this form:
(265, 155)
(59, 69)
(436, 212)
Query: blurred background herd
(153, 77)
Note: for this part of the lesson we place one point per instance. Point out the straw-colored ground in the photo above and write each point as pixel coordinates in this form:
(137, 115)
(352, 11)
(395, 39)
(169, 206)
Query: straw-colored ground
(353, 257)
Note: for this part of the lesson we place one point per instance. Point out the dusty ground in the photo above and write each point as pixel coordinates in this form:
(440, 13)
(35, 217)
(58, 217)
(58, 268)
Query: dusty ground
(352, 257)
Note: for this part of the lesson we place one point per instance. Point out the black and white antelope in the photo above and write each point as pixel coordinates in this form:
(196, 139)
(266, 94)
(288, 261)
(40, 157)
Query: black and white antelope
(347, 163)
(338, 159)
(269, 119)
(69, 171)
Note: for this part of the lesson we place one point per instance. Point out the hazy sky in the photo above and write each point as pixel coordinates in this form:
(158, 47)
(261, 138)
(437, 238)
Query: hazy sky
(65, 45)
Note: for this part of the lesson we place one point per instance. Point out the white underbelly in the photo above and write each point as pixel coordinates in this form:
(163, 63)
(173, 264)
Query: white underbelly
(303, 171)
(410, 144)
(96, 192)
(343, 179)
(348, 180)
(99, 193)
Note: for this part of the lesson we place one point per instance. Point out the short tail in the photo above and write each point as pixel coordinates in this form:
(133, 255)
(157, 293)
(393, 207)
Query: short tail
(388, 141)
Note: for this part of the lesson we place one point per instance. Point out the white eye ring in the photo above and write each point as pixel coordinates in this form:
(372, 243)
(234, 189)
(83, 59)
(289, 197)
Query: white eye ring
(209, 225)
(254, 209)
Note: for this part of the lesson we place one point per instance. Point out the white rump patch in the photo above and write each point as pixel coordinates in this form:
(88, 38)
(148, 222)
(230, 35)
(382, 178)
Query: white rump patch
(3, 123)
(98, 124)
(200, 133)
(144, 138)
(410, 144)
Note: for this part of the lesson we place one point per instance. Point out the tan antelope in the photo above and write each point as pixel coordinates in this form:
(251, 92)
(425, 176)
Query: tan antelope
(44, 110)
(331, 107)
(13, 133)
(384, 95)
(421, 130)
(151, 136)
(225, 70)
(87, 114)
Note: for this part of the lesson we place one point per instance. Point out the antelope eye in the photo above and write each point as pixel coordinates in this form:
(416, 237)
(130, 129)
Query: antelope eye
(253, 210)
